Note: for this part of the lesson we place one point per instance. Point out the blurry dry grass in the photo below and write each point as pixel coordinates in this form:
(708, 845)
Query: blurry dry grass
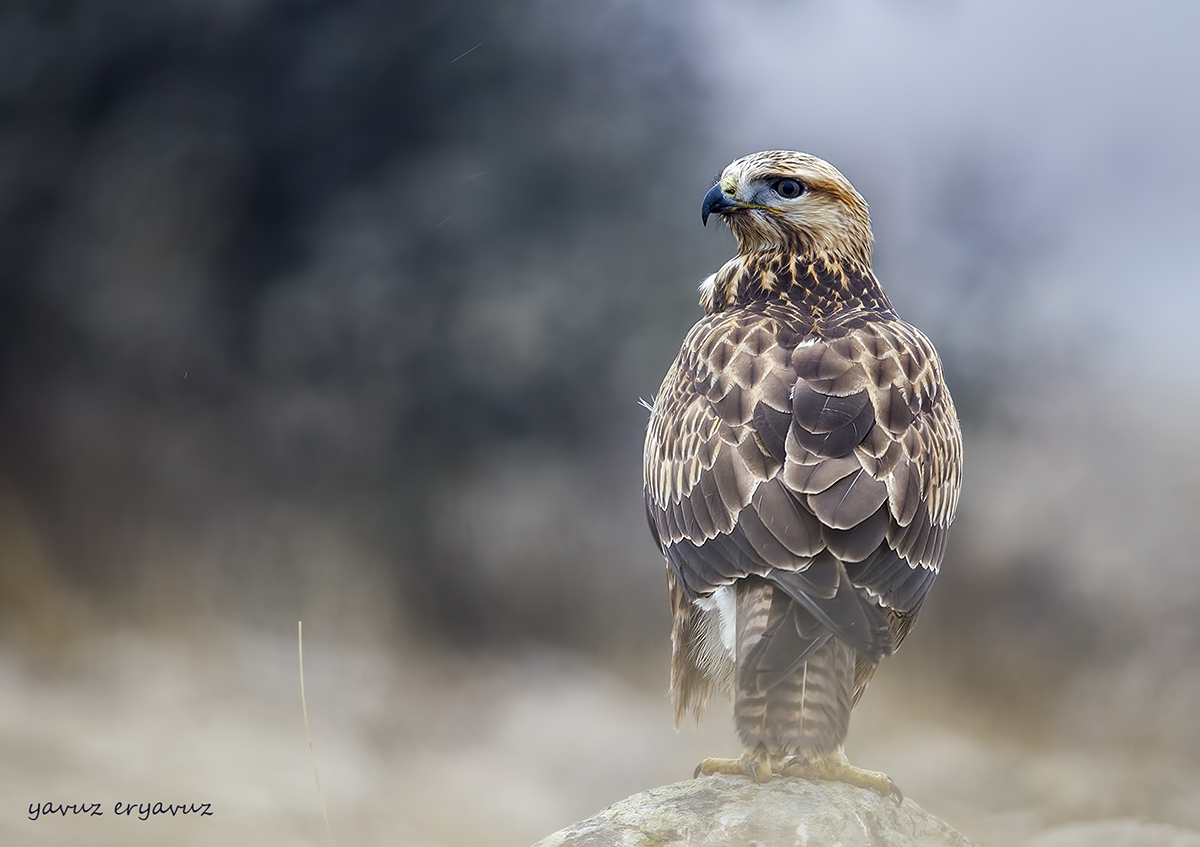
(446, 750)
(39, 613)
(308, 732)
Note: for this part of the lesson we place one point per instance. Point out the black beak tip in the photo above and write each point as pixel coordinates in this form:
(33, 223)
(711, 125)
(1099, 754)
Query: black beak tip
(714, 201)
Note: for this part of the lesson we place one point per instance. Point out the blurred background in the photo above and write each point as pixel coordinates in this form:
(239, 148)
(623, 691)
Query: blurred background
(341, 311)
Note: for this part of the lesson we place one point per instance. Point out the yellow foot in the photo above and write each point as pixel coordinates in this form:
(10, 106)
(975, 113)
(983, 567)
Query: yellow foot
(755, 764)
(835, 766)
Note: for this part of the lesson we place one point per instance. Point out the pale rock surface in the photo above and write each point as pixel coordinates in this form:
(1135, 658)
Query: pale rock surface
(730, 810)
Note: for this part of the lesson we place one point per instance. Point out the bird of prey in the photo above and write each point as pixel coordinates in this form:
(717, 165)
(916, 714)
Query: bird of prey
(802, 467)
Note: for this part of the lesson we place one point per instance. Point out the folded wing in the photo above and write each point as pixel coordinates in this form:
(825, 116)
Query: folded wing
(826, 464)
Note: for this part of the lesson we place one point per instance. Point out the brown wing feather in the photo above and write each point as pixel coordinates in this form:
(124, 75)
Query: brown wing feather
(823, 463)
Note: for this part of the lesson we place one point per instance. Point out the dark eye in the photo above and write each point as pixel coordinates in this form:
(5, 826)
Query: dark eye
(788, 188)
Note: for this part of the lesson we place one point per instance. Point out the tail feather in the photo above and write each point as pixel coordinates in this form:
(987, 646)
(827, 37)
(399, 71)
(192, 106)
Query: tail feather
(795, 680)
(784, 646)
(826, 593)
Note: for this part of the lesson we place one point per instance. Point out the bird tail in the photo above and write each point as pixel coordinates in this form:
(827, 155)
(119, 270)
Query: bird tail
(795, 681)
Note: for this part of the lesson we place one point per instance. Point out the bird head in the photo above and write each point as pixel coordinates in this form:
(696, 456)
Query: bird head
(784, 200)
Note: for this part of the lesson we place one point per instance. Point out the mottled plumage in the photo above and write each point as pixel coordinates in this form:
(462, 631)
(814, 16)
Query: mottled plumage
(802, 467)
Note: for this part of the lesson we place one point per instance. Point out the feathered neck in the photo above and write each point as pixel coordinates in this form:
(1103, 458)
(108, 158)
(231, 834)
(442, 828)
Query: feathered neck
(819, 284)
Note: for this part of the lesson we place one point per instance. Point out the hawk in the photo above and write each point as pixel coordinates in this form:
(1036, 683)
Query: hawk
(802, 466)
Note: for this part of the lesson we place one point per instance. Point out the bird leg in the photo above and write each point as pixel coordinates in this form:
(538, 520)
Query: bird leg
(755, 764)
(835, 766)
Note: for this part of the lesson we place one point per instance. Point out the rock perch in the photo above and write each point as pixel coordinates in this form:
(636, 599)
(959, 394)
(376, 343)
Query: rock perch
(733, 810)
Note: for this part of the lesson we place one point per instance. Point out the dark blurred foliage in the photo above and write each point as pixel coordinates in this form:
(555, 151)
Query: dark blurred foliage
(324, 256)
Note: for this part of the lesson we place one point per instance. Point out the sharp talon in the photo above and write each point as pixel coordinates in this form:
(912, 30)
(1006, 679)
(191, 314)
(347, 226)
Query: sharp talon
(696, 772)
(835, 767)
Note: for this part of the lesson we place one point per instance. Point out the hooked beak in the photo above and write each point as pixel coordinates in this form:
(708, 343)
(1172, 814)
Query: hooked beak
(716, 201)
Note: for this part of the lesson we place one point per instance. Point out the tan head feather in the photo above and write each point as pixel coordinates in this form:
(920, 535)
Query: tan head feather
(826, 218)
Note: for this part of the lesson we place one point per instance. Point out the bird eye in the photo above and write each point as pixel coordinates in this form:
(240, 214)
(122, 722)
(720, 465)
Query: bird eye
(788, 188)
